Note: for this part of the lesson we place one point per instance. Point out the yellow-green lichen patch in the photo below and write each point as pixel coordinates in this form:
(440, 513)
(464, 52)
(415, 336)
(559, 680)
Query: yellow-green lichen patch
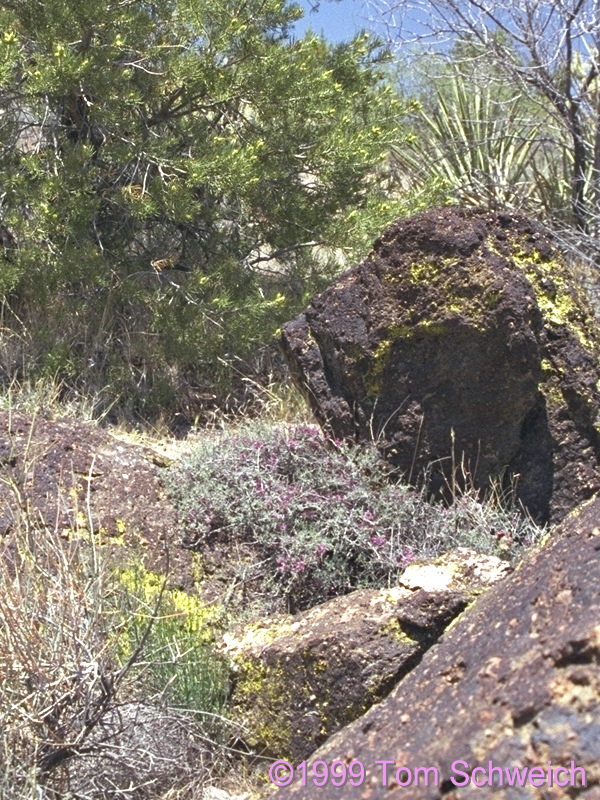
(396, 333)
(264, 698)
(451, 291)
(393, 629)
(380, 360)
(255, 637)
(276, 700)
(551, 390)
(278, 683)
(429, 272)
(554, 291)
(454, 285)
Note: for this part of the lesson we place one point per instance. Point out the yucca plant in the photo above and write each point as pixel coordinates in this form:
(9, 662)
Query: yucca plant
(478, 147)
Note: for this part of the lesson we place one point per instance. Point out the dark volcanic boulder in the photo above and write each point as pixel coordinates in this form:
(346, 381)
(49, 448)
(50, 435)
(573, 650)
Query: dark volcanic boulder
(298, 679)
(462, 345)
(516, 683)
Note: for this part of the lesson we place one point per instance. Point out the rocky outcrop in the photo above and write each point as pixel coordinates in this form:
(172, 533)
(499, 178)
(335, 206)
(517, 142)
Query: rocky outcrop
(298, 679)
(70, 477)
(514, 684)
(463, 346)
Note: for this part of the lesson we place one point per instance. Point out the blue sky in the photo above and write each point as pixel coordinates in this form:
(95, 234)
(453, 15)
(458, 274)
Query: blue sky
(337, 21)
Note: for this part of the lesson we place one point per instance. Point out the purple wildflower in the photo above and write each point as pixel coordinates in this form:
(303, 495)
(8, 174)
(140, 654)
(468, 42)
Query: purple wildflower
(406, 557)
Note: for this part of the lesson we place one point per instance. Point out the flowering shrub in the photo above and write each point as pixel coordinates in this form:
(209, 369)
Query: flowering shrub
(325, 517)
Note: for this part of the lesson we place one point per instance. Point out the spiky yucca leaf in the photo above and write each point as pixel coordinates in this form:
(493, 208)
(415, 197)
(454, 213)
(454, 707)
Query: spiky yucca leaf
(479, 148)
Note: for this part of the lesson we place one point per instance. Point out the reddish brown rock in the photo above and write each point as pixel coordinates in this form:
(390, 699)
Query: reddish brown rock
(461, 345)
(516, 682)
(300, 678)
(70, 476)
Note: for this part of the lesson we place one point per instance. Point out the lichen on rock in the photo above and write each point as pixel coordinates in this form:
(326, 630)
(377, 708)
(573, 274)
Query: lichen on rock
(464, 347)
(298, 679)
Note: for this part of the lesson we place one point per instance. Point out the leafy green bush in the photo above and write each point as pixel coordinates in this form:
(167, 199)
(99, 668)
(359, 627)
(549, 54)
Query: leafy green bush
(325, 518)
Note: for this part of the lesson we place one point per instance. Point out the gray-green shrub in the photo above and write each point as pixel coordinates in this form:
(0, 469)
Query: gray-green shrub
(324, 517)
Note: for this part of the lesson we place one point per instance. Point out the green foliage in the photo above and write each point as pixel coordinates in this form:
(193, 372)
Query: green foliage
(474, 143)
(325, 518)
(177, 659)
(177, 178)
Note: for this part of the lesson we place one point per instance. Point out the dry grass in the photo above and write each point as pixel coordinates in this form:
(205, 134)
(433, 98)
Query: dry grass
(78, 718)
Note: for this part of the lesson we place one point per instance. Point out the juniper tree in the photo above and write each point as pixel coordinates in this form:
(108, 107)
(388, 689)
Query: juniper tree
(175, 177)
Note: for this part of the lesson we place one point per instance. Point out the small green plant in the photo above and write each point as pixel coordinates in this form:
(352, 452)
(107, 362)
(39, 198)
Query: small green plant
(178, 660)
(95, 703)
(475, 146)
(324, 517)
